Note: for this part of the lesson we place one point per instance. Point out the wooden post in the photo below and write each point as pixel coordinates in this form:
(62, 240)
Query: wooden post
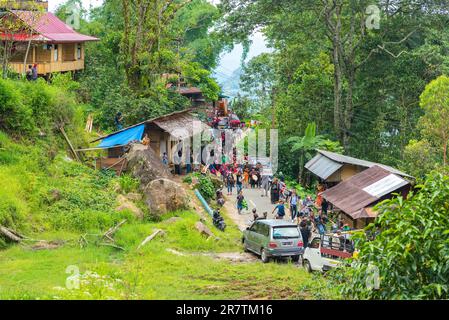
(34, 54)
(70, 144)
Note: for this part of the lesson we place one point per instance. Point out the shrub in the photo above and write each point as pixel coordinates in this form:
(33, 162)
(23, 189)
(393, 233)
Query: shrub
(206, 187)
(128, 184)
(15, 116)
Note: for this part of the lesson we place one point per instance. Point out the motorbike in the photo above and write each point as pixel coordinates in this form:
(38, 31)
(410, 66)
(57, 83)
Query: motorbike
(218, 221)
(219, 196)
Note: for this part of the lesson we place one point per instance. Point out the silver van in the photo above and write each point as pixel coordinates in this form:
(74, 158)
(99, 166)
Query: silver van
(273, 238)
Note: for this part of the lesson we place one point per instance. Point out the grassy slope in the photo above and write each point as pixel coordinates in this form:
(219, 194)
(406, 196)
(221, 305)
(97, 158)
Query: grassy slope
(85, 203)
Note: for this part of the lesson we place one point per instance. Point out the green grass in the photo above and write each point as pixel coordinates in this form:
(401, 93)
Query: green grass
(152, 272)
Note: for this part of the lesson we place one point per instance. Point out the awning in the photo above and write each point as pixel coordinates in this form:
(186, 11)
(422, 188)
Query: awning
(123, 137)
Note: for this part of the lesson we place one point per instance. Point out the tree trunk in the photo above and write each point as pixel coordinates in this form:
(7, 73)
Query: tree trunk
(26, 57)
(301, 169)
(348, 111)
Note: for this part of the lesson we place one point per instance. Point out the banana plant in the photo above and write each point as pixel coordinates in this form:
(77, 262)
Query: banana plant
(307, 144)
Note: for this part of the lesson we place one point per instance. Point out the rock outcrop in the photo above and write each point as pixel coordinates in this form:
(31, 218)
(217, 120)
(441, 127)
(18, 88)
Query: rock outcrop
(163, 195)
(125, 203)
(145, 165)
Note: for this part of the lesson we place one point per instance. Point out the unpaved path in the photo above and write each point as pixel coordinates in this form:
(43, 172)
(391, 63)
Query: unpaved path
(255, 200)
(231, 256)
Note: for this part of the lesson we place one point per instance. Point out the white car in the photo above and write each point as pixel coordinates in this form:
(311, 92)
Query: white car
(327, 252)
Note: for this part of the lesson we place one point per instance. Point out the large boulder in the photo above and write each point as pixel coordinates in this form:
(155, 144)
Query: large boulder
(145, 165)
(124, 203)
(163, 195)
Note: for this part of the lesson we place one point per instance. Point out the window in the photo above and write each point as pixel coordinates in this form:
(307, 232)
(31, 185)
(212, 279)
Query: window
(78, 51)
(315, 244)
(264, 230)
(255, 227)
(285, 233)
(55, 53)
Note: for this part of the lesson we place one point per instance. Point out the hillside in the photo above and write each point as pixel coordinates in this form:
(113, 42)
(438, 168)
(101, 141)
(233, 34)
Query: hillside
(61, 206)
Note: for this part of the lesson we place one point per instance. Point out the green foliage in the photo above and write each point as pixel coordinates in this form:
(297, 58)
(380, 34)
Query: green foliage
(375, 103)
(128, 183)
(32, 109)
(307, 144)
(411, 250)
(435, 121)
(206, 187)
(133, 73)
(41, 193)
(420, 157)
(187, 179)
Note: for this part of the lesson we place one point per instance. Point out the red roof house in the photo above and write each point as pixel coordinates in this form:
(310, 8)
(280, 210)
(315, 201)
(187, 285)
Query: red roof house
(55, 46)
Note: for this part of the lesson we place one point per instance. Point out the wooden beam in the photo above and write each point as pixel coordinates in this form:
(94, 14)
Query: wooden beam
(70, 144)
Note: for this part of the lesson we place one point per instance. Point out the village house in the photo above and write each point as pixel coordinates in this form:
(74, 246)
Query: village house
(54, 46)
(165, 133)
(356, 196)
(332, 168)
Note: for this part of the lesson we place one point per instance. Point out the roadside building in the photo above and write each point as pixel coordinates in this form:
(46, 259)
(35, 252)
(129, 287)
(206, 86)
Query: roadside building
(356, 196)
(164, 132)
(332, 168)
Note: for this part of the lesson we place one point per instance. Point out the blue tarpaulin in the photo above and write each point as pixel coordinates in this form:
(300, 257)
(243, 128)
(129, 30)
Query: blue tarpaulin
(123, 137)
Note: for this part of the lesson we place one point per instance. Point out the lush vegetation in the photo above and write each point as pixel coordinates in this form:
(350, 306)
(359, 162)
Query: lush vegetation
(142, 53)
(330, 65)
(408, 259)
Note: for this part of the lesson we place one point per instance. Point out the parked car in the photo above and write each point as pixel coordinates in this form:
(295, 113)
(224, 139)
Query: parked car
(273, 238)
(327, 252)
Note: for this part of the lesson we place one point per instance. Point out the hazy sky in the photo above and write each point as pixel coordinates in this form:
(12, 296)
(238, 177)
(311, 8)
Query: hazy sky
(229, 61)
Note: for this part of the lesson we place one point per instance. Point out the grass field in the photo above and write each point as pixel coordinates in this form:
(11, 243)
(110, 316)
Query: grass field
(152, 272)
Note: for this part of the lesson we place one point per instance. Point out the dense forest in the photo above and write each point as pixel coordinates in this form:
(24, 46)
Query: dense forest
(356, 74)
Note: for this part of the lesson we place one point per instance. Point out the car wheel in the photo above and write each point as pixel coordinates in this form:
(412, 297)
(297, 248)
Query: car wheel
(264, 256)
(295, 258)
(307, 266)
(245, 247)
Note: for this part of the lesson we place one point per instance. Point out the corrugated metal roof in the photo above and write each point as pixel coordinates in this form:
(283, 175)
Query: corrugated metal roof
(50, 27)
(351, 196)
(385, 186)
(322, 166)
(358, 162)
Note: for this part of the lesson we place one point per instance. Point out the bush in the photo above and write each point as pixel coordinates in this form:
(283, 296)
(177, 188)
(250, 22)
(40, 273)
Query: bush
(206, 187)
(128, 184)
(15, 116)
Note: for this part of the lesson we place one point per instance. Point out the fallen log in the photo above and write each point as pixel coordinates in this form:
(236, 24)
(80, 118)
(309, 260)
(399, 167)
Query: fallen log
(11, 234)
(111, 231)
(150, 237)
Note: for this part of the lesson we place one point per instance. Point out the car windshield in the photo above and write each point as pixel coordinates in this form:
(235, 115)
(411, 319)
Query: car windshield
(285, 232)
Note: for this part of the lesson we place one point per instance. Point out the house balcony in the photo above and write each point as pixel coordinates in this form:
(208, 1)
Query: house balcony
(44, 68)
(49, 58)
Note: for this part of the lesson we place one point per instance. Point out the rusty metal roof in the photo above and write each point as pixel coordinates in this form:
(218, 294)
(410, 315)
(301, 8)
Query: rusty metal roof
(363, 189)
(325, 163)
(181, 125)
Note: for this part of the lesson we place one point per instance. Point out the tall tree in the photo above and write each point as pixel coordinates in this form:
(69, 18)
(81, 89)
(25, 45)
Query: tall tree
(435, 121)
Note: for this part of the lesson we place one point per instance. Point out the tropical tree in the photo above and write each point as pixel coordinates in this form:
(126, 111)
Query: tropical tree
(435, 122)
(308, 143)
